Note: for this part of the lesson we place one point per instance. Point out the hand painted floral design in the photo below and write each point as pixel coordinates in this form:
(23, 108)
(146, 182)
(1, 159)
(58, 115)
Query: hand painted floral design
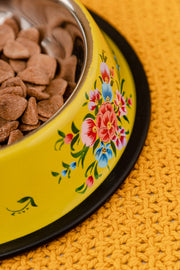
(121, 104)
(106, 87)
(106, 122)
(120, 138)
(88, 132)
(90, 181)
(66, 170)
(105, 72)
(101, 133)
(103, 154)
(73, 165)
(68, 138)
(130, 101)
(94, 97)
(26, 203)
(107, 92)
(64, 173)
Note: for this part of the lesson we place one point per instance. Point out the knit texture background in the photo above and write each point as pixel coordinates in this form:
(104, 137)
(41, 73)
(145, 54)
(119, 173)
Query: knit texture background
(139, 226)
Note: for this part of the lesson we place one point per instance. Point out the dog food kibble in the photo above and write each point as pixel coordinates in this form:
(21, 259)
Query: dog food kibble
(34, 75)
(14, 136)
(6, 35)
(32, 47)
(15, 50)
(34, 92)
(30, 33)
(47, 108)
(6, 71)
(56, 86)
(17, 65)
(12, 106)
(45, 63)
(16, 90)
(30, 116)
(39, 69)
(15, 81)
(13, 24)
(6, 128)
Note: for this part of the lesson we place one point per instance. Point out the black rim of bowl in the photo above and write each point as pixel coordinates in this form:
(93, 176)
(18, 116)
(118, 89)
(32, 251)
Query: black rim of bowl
(118, 174)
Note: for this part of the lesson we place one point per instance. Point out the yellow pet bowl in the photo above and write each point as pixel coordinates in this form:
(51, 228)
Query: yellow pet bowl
(55, 177)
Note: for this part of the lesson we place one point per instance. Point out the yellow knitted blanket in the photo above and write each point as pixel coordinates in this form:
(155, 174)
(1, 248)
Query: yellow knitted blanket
(139, 227)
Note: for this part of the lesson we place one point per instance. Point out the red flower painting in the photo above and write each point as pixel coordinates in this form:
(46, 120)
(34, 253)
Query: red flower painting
(106, 122)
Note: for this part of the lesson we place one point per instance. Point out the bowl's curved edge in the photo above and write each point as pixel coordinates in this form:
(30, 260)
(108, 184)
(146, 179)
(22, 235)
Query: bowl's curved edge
(114, 180)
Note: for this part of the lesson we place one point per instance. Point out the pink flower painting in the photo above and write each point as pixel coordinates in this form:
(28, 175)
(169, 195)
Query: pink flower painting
(94, 97)
(121, 104)
(88, 132)
(120, 138)
(105, 73)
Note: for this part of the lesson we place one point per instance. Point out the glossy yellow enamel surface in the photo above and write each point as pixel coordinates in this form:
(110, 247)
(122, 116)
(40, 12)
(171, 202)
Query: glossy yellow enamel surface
(32, 193)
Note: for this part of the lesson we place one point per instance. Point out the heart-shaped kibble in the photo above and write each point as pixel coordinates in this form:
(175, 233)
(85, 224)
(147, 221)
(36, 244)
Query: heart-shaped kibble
(30, 116)
(31, 46)
(12, 106)
(6, 35)
(16, 90)
(39, 95)
(13, 24)
(47, 108)
(56, 87)
(17, 65)
(15, 136)
(6, 71)
(6, 129)
(31, 33)
(34, 75)
(15, 81)
(44, 62)
(15, 50)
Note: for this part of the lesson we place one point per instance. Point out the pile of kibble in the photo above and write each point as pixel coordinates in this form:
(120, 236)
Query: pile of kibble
(33, 83)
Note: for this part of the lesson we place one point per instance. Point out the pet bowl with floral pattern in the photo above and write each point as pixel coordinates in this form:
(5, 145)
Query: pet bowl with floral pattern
(58, 175)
